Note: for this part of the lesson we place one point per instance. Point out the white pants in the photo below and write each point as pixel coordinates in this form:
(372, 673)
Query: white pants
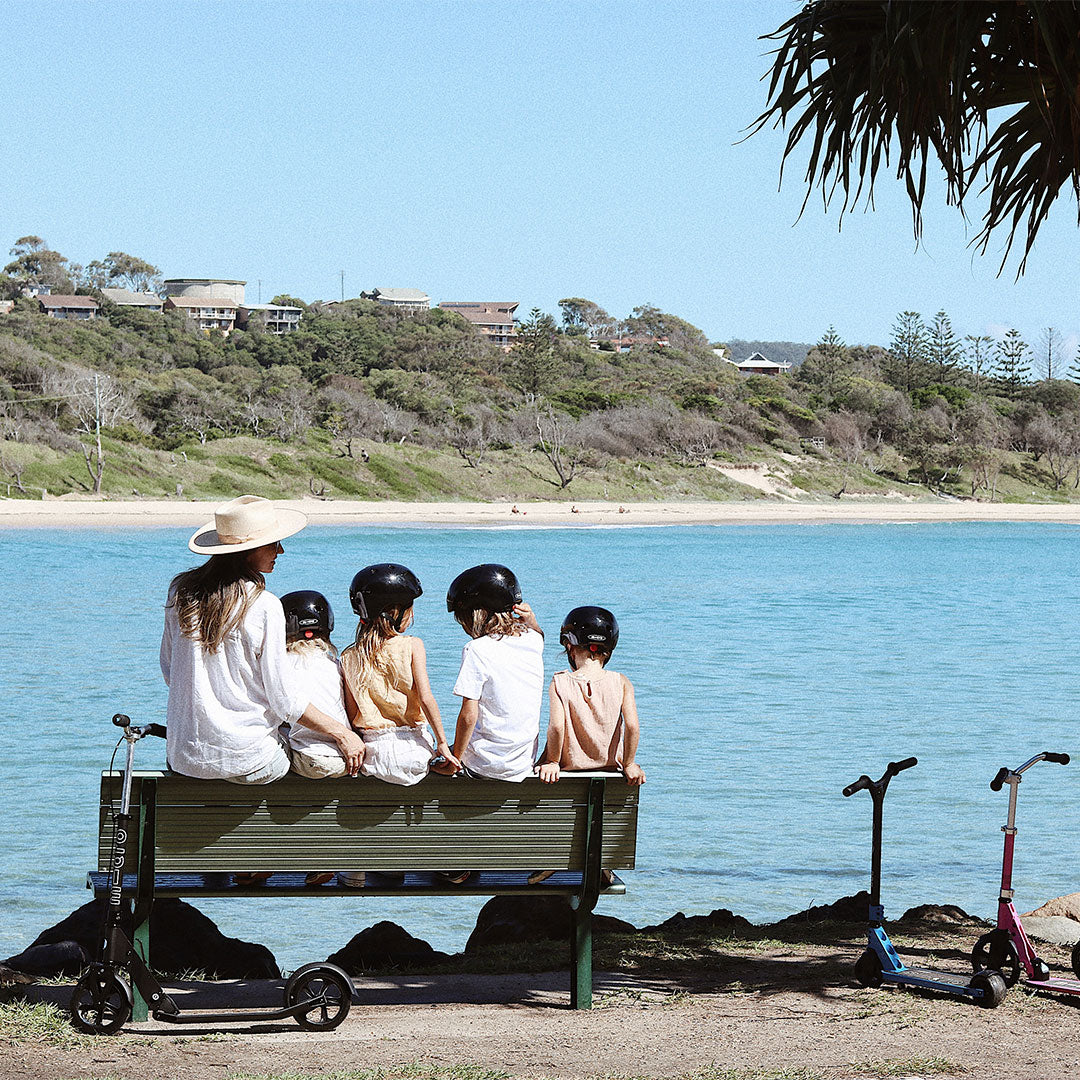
(398, 755)
(317, 766)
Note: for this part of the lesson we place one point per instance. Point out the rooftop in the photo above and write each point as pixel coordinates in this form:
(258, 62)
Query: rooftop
(204, 281)
(132, 299)
(58, 301)
(202, 301)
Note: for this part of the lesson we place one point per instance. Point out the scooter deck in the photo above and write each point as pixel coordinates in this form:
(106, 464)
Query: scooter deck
(1054, 986)
(929, 978)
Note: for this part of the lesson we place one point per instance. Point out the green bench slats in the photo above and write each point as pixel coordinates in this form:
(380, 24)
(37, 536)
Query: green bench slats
(189, 837)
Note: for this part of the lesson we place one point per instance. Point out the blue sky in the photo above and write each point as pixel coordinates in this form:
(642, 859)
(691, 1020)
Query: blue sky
(478, 151)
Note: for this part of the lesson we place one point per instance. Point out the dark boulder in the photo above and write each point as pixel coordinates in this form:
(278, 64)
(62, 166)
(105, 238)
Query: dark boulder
(721, 919)
(846, 909)
(513, 919)
(937, 915)
(182, 939)
(385, 945)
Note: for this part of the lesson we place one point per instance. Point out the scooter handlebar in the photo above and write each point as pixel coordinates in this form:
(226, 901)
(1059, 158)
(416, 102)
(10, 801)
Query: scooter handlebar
(155, 729)
(864, 781)
(899, 766)
(120, 720)
(124, 721)
(1057, 759)
(995, 784)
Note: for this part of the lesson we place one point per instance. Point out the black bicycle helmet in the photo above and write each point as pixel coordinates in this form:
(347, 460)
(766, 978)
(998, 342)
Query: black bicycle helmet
(308, 614)
(383, 587)
(594, 627)
(489, 586)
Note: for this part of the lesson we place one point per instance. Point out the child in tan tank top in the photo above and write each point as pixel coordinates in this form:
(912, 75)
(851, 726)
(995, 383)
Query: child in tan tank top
(387, 694)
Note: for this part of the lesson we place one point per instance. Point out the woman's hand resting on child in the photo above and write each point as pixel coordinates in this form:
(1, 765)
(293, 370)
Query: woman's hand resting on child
(449, 765)
(548, 772)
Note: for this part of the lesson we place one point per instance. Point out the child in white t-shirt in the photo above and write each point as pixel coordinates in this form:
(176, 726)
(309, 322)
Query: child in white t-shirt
(501, 681)
(309, 621)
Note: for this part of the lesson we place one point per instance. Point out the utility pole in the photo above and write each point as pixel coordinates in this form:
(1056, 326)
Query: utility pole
(260, 291)
(343, 286)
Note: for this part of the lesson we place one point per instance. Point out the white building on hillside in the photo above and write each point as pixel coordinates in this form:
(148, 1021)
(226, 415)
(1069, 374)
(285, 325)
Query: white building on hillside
(409, 300)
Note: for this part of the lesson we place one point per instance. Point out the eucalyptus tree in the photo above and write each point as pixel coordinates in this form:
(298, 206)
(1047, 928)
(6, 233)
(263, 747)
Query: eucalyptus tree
(987, 89)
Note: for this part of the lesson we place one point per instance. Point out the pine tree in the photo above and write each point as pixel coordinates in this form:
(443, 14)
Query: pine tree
(910, 348)
(978, 354)
(1013, 363)
(944, 348)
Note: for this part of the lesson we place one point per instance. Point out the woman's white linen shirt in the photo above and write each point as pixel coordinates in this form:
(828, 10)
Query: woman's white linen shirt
(225, 707)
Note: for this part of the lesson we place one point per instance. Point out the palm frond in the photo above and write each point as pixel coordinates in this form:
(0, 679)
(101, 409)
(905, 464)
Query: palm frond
(872, 83)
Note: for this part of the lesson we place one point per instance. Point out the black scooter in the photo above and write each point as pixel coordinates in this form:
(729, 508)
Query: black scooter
(318, 996)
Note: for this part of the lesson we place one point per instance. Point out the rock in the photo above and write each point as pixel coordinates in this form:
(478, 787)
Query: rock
(182, 939)
(513, 919)
(937, 915)
(385, 945)
(1067, 906)
(11, 977)
(59, 958)
(720, 919)
(1057, 929)
(846, 909)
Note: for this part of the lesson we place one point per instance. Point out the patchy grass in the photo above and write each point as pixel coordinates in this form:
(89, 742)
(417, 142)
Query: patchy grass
(39, 1024)
(415, 1070)
(917, 1066)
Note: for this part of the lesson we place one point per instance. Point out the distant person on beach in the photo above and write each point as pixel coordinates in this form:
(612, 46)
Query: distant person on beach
(387, 693)
(223, 655)
(593, 722)
(501, 681)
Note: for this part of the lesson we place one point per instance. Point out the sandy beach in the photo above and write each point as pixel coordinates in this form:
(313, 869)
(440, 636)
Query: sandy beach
(65, 513)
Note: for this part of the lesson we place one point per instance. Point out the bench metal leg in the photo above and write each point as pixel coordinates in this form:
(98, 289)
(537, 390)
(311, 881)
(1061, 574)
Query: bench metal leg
(140, 942)
(581, 959)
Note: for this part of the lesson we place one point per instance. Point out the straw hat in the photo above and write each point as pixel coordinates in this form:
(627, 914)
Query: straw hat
(245, 523)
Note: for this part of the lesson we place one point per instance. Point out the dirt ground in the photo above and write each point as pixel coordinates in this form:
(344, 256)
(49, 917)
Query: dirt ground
(740, 1009)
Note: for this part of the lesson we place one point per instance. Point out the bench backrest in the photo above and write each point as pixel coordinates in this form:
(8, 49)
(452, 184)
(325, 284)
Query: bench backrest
(442, 823)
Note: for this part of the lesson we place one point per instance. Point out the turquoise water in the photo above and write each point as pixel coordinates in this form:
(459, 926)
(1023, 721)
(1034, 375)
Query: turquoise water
(773, 665)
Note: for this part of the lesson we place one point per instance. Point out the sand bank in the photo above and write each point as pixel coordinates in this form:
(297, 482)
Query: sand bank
(84, 512)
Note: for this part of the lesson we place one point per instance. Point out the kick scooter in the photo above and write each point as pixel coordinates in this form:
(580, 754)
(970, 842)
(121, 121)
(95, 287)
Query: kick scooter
(1008, 948)
(318, 996)
(880, 962)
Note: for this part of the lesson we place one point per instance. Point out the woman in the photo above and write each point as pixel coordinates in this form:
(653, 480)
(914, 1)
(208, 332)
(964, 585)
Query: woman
(223, 654)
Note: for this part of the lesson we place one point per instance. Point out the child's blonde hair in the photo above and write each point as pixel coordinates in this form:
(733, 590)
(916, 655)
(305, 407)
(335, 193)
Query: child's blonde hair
(478, 623)
(311, 645)
(373, 634)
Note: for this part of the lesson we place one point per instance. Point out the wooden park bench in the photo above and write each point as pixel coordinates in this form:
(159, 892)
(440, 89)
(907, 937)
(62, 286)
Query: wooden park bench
(191, 837)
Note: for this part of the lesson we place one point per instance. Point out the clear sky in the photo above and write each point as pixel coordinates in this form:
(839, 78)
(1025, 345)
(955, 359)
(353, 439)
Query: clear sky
(478, 151)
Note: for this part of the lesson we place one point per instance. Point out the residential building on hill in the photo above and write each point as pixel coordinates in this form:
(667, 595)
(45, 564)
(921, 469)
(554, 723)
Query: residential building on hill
(625, 344)
(277, 318)
(206, 289)
(212, 313)
(409, 300)
(68, 307)
(756, 364)
(126, 298)
(494, 319)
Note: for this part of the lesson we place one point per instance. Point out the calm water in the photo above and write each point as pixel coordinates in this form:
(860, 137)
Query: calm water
(773, 665)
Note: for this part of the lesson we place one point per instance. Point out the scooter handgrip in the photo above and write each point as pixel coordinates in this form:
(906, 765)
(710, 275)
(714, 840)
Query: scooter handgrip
(1057, 759)
(155, 729)
(120, 720)
(995, 784)
(864, 781)
(899, 766)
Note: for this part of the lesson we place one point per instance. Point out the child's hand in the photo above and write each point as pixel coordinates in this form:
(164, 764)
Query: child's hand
(445, 768)
(524, 613)
(444, 751)
(351, 748)
(635, 775)
(549, 772)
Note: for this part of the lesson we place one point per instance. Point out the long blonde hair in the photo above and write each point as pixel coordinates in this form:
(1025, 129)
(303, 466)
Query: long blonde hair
(373, 634)
(479, 623)
(212, 599)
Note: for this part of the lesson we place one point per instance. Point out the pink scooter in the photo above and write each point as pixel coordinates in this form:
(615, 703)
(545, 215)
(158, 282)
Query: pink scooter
(1008, 948)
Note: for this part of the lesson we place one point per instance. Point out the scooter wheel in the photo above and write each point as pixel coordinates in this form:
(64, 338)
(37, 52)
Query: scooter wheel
(992, 986)
(868, 969)
(100, 1003)
(996, 952)
(1076, 959)
(327, 988)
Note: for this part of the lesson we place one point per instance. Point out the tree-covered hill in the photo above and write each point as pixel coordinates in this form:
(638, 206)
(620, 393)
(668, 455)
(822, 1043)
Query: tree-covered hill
(367, 402)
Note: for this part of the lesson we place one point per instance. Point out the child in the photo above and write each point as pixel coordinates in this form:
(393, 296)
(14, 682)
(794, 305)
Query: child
(501, 682)
(594, 721)
(309, 622)
(387, 693)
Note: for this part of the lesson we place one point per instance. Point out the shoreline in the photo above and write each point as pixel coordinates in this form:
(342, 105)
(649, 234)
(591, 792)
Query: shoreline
(67, 513)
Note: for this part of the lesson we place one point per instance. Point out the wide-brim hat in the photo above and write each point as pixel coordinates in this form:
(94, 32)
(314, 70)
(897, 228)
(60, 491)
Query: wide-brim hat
(246, 523)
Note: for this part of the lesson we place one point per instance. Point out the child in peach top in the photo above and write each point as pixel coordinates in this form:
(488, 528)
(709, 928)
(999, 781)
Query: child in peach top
(594, 721)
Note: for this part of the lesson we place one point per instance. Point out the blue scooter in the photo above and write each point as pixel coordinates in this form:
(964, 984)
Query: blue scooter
(880, 962)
